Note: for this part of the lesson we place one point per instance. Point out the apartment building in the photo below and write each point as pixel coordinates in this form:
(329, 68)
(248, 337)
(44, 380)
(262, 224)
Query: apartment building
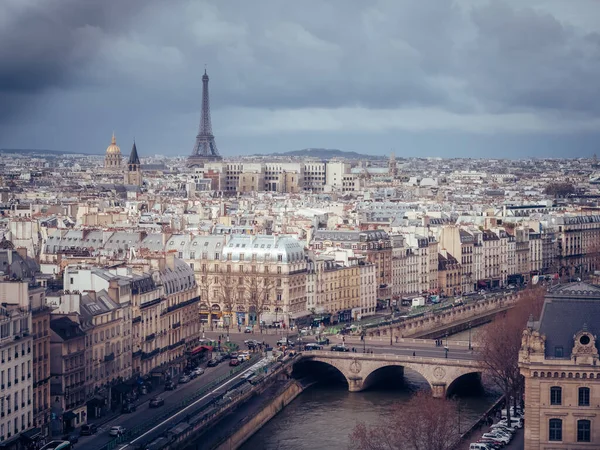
(578, 237)
(375, 245)
(16, 382)
(335, 287)
(68, 374)
(40, 318)
(460, 243)
(282, 177)
(449, 274)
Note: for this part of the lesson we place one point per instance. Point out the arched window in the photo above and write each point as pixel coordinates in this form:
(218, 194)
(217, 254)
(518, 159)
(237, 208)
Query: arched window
(555, 395)
(584, 396)
(583, 430)
(555, 430)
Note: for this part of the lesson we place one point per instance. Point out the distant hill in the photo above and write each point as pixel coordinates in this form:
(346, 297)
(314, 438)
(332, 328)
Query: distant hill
(325, 153)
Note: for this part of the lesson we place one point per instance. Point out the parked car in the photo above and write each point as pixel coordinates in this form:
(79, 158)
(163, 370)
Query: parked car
(323, 341)
(198, 371)
(478, 446)
(184, 379)
(157, 402)
(248, 330)
(72, 438)
(170, 385)
(497, 437)
(213, 363)
(117, 430)
(88, 430)
(339, 348)
(127, 408)
(234, 362)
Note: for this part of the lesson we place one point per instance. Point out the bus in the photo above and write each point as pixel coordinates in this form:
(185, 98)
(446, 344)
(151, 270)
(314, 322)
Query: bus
(57, 445)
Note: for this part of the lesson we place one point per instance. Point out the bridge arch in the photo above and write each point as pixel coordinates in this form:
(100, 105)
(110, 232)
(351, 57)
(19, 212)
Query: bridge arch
(460, 383)
(319, 370)
(360, 369)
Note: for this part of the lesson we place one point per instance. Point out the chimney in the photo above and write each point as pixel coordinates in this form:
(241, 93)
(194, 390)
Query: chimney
(22, 251)
(91, 294)
(170, 260)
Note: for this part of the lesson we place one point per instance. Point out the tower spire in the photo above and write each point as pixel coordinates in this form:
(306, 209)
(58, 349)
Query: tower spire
(205, 147)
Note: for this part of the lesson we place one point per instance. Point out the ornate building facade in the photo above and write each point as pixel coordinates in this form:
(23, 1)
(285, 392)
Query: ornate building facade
(113, 159)
(559, 361)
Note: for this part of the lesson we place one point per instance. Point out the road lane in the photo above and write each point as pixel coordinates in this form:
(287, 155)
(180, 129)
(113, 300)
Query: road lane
(144, 413)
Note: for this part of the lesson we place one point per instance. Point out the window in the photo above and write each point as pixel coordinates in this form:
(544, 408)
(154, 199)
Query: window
(556, 395)
(584, 396)
(555, 430)
(558, 352)
(583, 430)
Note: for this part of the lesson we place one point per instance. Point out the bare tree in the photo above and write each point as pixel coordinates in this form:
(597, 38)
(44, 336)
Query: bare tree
(422, 423)
(226, 295)
(258, 291)
(500, 342)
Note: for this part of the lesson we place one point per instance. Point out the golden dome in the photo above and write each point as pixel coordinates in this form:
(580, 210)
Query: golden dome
(113, 148)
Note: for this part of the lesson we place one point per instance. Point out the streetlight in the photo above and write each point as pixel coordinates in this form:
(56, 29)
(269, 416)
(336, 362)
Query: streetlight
(470, 348)
(362, 338)
(391, 320)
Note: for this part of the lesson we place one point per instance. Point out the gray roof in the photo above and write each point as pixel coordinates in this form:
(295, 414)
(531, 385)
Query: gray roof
(567, 309)
(350, 235)
(16, 266)
(264, 246)
(181, 278)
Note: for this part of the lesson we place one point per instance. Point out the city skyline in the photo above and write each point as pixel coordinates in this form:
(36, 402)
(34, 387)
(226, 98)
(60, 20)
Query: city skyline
(494, 78)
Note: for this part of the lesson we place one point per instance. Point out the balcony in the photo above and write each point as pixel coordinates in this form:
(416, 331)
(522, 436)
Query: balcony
(150, 337)
(176, 325)
(109, 357)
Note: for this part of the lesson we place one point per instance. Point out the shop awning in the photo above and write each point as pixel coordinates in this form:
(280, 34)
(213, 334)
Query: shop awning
(201, 348)
(32, 435)
(69, 415)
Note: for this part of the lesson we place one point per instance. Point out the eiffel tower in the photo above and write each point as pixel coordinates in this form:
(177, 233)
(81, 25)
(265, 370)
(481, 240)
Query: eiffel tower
(205, 148)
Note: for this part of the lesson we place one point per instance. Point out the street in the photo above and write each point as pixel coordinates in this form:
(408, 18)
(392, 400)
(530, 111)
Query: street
(144, 413)
(422, 348)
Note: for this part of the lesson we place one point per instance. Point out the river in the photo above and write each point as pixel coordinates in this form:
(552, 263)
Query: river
(323, 416)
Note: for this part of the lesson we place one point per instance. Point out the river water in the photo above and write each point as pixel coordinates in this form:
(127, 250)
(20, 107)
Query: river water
(324, 415)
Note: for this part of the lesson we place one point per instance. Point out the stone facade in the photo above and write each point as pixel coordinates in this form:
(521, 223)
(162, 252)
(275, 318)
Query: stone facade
(440, 373)
(559, 361)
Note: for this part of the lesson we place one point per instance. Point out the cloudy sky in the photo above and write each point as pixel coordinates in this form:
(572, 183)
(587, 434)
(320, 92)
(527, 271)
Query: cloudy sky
(478, 78)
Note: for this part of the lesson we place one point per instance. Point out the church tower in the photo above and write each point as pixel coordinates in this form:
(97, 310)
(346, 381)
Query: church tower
(133, 171)
(113, 159)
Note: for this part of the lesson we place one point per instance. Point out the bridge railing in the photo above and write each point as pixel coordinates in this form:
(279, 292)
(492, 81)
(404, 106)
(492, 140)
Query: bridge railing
(389, 357)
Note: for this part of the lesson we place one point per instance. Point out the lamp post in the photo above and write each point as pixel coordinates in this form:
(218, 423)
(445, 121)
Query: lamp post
(362, 338)
(391, 320)
(470, 347)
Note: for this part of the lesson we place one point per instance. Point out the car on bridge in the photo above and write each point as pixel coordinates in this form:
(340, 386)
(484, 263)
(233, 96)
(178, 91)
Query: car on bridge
(339, 348)
(309, 347)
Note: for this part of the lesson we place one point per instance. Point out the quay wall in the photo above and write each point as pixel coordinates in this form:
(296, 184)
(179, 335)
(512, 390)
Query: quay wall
(291, 390)
(434, 324)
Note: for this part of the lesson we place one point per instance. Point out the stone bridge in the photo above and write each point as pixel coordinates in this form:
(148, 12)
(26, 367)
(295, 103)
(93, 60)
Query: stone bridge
(358, 368)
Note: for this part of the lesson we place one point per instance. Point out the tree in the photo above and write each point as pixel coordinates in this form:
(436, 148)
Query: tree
(258, 291)
(422, 423)
(226, 294)
(559, 189)
(500, 342)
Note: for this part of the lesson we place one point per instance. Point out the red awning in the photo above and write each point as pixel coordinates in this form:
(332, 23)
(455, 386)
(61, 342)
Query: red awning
(201, 348)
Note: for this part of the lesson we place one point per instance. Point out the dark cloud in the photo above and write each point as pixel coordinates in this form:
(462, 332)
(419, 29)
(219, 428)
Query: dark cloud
(137, 63)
